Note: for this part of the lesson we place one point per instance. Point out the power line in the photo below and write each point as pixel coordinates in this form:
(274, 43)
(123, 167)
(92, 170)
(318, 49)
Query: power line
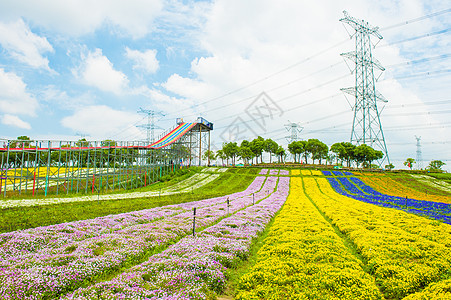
(443, 56)
(419, 113)
(419, 74)
(417, 19)
(123, 130)
(417, 37)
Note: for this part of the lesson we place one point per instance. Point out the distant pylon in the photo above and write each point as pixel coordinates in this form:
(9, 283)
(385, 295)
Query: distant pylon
(366, 127)
(150, 126)
(419, 155)
(294, 129)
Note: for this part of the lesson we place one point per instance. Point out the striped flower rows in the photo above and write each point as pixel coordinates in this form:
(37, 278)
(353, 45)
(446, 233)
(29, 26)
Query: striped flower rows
(52, 260)
(193, 268)
(355, 188)
(404, 252)
(303, 258)
(394, 187)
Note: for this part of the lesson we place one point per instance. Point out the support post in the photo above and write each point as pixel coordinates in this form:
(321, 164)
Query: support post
(194, 221)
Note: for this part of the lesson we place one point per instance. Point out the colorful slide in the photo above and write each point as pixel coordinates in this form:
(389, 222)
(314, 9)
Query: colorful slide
(172, 136)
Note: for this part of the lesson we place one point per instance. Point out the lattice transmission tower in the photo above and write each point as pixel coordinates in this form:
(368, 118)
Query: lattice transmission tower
(419, 155)
(150, 126)
(366, 127)
(294, 129)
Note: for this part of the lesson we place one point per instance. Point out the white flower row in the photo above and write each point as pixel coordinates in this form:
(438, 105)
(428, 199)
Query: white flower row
(194, 182)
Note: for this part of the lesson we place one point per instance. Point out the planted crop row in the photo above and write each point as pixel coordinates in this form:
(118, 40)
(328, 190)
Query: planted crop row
(392, 187)
(402, 262)
(62, 265)
(194, 267)
(304, 258)
(357, 189)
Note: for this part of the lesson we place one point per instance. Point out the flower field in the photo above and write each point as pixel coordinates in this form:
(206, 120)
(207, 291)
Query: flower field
(67, 255)
(303, 258)
(193, 268)
(324, 245)
(354, 188)
(389, 186)
(331, 236)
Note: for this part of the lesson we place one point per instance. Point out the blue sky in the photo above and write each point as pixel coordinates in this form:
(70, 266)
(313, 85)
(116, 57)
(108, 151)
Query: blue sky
(72, 68)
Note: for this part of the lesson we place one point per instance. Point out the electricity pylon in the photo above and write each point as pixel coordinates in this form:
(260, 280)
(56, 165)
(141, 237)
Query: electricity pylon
(366, 127)
(419, 155)
(295, 128)
(150, 126)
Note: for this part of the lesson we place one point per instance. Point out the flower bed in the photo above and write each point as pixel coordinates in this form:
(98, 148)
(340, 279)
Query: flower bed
(303, 258)
(273, 171)
(52, 260)
(393, 187)
(401, 250)
(193, 268)
(357, 189)
(263, 171)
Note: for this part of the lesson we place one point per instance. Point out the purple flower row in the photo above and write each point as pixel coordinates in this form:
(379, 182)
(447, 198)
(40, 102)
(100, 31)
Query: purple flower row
(193, 268)
(23, 242)
(263, 171)
(337, 173)
(62, 267)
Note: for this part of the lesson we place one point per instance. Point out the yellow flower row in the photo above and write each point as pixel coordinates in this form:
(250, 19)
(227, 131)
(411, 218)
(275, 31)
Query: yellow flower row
(295, 172)
(303, 258)
(317, 173)
(440, 290)
(42, 171)
(403, 251)
(389, 186)
(306, 172)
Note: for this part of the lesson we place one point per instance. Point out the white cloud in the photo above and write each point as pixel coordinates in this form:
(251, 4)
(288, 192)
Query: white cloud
(25, 46)
(97, 70)
(59, 99)
(79, 17)
(146, 61)
(175, 105)
(101, 121)
(15, 121)
(14, 99)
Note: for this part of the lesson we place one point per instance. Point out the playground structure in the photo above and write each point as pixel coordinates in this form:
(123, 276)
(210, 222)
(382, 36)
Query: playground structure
(39, 168)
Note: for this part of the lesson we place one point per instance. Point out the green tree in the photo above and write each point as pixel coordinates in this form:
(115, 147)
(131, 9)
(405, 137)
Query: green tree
(348, 153)
(280, 152)
(389, 167)
(246, 154)
(436, 165)
(296, 148)
(409, 162)
(317, 149)
(271, 147)
(220, 154)
(209, 155)
(231, 150)
(257, 145)
(339, 150)
(364, 154)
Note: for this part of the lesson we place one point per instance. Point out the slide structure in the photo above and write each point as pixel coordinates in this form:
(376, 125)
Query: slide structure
(165, 141)
(172, 136)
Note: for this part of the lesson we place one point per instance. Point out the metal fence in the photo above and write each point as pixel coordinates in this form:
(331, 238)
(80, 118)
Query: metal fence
(41, 168)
